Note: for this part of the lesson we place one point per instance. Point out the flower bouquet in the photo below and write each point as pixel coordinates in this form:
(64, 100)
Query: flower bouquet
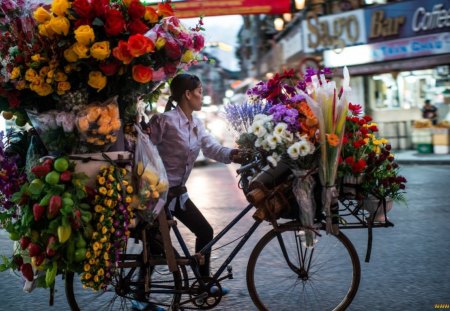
(71, 54)
(330, 107)
(355, 147)
(382, 183)
(369, 159)
(278, 123)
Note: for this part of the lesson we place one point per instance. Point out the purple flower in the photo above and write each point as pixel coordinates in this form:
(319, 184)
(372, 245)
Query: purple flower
(11, 179)
(281, 113)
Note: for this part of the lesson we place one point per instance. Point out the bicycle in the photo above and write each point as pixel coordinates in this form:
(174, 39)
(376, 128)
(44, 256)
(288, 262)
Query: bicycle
(324, 277)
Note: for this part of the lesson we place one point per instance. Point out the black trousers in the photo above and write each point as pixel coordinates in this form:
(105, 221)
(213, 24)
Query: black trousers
(194, 220)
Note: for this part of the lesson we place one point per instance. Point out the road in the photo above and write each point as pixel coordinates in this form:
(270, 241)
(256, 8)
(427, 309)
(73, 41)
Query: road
(409, 267)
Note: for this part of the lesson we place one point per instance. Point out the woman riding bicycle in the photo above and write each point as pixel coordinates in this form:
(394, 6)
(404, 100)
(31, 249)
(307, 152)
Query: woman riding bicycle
(179, 137)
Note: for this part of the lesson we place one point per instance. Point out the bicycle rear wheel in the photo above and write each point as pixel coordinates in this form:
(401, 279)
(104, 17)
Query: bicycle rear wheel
(325, 277)
(124, 288)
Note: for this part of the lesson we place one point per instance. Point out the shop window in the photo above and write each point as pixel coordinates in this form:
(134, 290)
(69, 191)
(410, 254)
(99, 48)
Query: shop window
(385, 91)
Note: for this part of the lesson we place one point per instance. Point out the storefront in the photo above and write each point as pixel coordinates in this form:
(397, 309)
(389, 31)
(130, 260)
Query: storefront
(404, 61)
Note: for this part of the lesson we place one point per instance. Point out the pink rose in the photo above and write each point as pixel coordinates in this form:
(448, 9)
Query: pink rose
(199, 42)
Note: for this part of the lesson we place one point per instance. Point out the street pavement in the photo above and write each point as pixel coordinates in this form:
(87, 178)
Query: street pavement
(409, 267)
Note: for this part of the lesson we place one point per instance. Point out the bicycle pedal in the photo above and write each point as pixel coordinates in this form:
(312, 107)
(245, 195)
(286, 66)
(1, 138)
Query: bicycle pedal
(230, 272)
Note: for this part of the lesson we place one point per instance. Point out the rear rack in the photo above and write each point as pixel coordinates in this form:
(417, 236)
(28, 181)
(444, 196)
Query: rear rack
(353, 216)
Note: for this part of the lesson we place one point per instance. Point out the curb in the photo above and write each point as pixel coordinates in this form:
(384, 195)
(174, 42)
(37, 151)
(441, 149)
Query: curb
(423, 162)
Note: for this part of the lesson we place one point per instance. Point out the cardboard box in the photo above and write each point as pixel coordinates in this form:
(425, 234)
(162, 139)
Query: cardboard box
(441, 149)
(422, 136)
(441, 139)
(442, 131)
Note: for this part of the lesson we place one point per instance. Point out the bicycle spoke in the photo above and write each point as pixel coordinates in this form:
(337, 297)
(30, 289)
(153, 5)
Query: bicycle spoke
(325, 276)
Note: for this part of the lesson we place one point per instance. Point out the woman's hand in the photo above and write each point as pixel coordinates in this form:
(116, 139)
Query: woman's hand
(239, 156)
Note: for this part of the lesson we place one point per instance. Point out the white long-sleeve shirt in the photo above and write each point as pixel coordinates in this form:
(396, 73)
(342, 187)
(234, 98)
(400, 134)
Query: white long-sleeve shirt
(179, 142)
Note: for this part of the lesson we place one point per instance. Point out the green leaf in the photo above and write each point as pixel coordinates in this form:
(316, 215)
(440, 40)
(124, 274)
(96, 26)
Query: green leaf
(98, 22)
(27, 217)
(6, 263)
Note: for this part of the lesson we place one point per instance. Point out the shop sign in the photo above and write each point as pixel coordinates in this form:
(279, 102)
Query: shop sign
(196, 8)
(407, 19)
(390, 50)
(335, 31)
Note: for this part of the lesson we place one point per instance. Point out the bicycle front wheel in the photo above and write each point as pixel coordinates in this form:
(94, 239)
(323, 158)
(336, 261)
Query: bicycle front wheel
(324, 277)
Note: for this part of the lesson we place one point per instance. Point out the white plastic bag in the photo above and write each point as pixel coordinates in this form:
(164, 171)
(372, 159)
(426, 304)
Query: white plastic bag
(151, 181)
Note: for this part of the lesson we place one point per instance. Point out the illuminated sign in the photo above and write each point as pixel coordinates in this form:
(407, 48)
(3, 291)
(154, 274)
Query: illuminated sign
(333, 31)
(407, 19)
(196, 8)
(433, 44)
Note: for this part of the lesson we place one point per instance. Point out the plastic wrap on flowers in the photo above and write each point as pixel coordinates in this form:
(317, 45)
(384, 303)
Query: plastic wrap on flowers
(303, 189)
(98, 125)
(151, 183)
(56, 129)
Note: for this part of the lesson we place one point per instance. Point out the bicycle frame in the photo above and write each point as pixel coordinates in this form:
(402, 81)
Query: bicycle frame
(208, 247)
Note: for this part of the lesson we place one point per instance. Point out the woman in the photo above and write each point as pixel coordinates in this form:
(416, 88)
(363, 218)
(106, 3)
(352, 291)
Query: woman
(179, 137)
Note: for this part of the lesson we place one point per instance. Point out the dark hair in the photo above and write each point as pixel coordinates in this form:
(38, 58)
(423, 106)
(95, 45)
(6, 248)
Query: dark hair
(427, 101)
(180, 84)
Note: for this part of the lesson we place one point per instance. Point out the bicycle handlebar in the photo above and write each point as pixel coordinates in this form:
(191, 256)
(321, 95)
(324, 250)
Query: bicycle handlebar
(248, 166)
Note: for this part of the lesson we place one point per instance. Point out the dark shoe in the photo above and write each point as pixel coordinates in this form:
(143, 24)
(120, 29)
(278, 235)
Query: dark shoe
(139, 305)
(215, 289)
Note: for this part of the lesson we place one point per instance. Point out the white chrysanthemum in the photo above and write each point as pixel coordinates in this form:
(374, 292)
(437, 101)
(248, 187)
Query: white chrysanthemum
(294, 151)
(273, 159)
(288, 136)
(263, 117)
(258, 128)
(273, 140)
(265, 145)
(259, 117)
(258, 142)
(305, 147)
(279, 129)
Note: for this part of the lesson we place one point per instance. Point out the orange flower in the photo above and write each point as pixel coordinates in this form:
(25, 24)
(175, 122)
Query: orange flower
(139, 44)
(122, 53)
(164, 9)
(151, 15)
(142, 74)
(332, 139)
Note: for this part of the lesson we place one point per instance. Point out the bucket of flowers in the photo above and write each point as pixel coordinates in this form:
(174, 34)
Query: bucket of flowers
(367, 169)
(355, 148)
(382, 184)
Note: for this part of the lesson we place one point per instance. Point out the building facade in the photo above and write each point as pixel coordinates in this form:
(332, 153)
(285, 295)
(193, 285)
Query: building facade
(398, 55)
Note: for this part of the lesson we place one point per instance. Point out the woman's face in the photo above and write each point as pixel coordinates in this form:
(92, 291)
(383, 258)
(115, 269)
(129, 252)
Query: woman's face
(195, 98)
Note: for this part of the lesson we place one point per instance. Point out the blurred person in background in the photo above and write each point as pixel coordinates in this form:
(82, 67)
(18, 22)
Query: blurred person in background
(430, 112)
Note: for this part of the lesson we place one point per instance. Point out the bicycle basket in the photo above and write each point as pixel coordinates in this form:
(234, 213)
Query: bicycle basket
(271, 193)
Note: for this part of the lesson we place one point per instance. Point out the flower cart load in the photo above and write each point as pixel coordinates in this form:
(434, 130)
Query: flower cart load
(312, 149)
(79, 72)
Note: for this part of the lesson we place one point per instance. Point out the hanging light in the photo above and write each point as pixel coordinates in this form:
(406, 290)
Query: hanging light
(278, 23)
(287, 17)
(300, 4)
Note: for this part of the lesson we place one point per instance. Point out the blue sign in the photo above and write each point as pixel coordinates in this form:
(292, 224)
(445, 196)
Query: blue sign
(407, 19)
